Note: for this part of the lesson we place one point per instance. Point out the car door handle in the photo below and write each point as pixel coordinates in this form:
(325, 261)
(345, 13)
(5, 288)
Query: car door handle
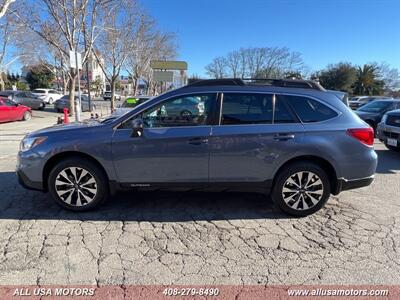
(198, 141)
(283, 136)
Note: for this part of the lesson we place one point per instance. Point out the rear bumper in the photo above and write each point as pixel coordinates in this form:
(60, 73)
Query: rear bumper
(344, 184)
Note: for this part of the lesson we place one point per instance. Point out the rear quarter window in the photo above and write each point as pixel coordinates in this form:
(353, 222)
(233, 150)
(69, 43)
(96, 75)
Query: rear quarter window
(309, 110)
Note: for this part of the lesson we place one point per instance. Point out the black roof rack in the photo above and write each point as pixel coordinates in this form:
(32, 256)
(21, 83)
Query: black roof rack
(294, 83)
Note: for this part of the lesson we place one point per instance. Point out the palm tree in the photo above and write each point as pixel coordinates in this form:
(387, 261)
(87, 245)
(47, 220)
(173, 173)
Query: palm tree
(367, 82)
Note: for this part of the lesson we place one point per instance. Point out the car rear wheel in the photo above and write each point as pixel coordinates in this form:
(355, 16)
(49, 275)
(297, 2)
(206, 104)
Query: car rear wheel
(77, 184)
(27, 116)
(301, 189)
(51, 101)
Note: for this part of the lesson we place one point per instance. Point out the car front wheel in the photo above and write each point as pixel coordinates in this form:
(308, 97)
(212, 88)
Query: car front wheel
(27, 116)
(78, 184)
(301, 189)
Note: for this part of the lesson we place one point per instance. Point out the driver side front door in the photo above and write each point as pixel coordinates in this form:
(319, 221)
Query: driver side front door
(173, 148)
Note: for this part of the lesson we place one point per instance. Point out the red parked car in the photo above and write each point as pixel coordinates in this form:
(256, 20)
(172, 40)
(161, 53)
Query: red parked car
(11, 111)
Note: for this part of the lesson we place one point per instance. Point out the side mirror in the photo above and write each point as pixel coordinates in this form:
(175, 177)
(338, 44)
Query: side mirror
(137, 128)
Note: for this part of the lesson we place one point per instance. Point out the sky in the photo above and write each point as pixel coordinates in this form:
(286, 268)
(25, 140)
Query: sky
(324, 31)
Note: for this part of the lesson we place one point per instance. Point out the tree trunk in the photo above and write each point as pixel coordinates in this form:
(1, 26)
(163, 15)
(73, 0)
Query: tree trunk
(2, 83)
(113, 82)
(72, 94)
(135, 86)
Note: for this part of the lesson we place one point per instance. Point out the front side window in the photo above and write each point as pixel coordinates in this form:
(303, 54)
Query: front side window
(9, 103)
(309, 110)
(190, 110)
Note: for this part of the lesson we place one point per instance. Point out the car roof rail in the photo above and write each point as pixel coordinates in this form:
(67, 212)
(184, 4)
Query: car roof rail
(291, 83)
(211, 82)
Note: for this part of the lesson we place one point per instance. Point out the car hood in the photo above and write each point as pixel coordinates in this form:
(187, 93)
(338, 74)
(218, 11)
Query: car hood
(364, 114)
(63, 127)
(395, 112)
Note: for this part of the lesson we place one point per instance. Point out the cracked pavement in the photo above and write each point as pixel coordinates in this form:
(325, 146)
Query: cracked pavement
(197, 238)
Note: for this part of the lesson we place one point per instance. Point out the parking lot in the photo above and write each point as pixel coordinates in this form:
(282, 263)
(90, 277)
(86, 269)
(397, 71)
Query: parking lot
(196, 238)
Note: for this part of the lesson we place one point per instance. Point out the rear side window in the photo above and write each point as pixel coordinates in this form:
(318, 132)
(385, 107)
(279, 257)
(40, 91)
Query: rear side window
(246, 109)
(254, 109)
(309, 110)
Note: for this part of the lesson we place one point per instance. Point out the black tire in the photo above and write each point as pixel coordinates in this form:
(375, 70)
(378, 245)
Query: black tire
(101, 184)
(393, 148)
(289, 171)
(27, 116)
(50, 100)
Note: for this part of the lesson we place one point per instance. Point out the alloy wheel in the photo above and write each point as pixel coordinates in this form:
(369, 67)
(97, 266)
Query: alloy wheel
(302, 190)
(76, 186)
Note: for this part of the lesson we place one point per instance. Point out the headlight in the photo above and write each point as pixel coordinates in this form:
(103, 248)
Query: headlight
(30, 142)
(384, 118)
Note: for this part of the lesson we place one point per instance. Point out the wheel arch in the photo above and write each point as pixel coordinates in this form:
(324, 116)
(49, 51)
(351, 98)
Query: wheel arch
(68, 154)
(322, 162)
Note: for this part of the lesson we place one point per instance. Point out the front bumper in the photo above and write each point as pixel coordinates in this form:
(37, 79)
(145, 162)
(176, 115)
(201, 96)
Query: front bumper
(385, 132)
(29, 170)
(27, 183)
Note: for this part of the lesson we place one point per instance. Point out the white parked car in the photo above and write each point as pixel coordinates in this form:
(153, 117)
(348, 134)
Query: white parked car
(47, 95)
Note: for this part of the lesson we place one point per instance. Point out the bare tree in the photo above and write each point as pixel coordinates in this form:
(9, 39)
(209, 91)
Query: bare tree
(263, 62)
(389, 75)
(4, 7)
(149, 44)
(217, 68)
(8, 29)
(62, 28)
(234, 63)
(115, 42)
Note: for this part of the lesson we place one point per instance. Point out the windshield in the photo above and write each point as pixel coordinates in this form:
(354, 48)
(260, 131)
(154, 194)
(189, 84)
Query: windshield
(376, 106)
(39, 91)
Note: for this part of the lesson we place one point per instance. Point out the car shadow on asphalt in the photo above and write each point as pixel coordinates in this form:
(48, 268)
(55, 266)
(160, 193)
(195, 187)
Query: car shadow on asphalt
(157, 206)
(388, 162)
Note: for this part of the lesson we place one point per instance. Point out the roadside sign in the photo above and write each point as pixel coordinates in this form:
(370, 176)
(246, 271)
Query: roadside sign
(163, 76)
(72, 59)
(168, 65)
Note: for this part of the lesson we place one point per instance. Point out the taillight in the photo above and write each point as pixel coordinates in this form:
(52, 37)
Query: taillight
(364, 135)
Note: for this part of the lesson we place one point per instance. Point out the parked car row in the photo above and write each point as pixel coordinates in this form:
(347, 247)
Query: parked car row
(358, 101)
(24, 98)
(63, 102)
(384, 117)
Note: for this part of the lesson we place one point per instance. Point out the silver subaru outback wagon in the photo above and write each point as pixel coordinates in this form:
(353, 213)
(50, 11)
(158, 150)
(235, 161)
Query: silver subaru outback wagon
(289, 139)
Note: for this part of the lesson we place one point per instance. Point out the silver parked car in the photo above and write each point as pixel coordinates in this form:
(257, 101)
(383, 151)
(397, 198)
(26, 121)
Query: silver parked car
(24, 98)
(388, 130)
(63, 102)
